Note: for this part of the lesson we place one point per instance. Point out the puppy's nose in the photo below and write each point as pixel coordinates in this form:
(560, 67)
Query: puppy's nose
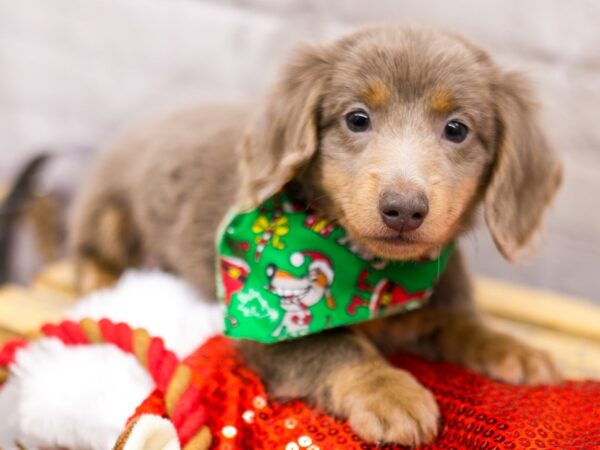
(403, 210)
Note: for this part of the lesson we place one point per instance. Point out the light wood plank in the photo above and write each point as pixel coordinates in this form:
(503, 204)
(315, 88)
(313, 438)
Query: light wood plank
(23, 310)
(6, 335)
(58, 277)
(576, 357)
(545, 309)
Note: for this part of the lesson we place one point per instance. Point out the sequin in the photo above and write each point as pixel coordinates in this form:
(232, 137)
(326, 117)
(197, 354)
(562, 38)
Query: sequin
(248, 416)
(290, 423)
(304, 441)
(259, 402)
(505, 417)
(229, 431)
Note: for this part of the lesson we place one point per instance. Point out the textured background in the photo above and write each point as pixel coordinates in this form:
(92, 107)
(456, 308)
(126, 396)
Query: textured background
(72, 72)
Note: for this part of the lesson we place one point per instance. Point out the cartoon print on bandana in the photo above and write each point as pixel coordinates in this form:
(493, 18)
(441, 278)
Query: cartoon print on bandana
(319, 225)
(384, 294)
(298, 294)
(234, 272)
(270, 231)
(284, 271)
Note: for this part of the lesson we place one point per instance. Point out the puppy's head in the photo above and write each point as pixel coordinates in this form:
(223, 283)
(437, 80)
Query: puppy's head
(398, 134)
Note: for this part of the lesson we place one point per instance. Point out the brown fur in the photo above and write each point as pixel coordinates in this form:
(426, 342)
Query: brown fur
(442, 101)
(377, 94)
(170, 182)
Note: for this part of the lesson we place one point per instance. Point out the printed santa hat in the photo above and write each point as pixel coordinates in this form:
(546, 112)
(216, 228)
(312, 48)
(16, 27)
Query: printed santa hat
(319, 262)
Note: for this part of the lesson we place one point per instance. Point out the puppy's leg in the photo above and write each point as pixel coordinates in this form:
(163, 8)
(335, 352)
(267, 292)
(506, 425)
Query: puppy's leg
(342, 373)
(448, 328)
(104, 242)
(465, 340)
(460, 336)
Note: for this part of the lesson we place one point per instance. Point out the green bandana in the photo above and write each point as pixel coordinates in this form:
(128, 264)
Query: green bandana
(284, 272)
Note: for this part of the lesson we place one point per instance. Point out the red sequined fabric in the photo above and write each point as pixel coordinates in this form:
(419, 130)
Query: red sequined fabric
(477, 413)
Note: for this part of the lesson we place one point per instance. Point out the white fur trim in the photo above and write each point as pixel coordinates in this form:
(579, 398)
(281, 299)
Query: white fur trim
(81, 397)
(10, 395)
(152, 432)
(71, 397)
(161, 303)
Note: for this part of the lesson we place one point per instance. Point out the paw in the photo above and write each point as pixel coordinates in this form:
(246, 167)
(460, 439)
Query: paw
(506, 359)
(386, 405)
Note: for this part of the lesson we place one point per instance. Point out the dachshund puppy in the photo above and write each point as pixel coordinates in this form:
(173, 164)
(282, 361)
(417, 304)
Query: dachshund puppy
(398, 134)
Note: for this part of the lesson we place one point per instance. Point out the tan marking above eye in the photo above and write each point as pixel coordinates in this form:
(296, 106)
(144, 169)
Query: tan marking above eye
(376, 94)
(442, 101)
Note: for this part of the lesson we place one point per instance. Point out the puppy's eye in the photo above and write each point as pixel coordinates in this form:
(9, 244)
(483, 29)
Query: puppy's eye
(358, 121)
(456, 131)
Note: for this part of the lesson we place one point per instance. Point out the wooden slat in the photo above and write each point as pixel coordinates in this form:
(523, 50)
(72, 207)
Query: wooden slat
(58, 277)
(24, 310)
(575, 356)
(6, 335)
(545, 309)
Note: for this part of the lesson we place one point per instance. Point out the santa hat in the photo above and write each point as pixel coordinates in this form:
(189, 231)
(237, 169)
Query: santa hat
(319, 262)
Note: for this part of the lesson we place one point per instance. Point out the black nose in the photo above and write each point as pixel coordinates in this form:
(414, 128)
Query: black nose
(403, 210)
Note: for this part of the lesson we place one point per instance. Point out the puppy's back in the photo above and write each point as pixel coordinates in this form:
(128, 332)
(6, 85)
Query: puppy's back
(162, 187)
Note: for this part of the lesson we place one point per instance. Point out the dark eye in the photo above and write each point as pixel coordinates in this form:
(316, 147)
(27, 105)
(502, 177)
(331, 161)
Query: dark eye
(456, 131)
(358, 121)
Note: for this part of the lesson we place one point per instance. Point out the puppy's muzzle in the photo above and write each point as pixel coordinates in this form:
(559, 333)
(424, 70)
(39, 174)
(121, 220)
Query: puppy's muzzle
(403, 210)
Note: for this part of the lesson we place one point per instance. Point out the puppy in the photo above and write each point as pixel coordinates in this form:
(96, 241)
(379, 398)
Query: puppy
(396, 133)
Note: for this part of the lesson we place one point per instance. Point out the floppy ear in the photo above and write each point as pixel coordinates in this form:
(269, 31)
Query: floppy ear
(526, 173)
(285, 135)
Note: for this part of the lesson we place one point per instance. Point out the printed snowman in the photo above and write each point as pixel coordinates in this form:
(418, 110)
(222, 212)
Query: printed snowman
(298, 294)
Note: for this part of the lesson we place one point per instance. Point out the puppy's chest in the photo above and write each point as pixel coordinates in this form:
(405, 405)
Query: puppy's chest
(401, 329)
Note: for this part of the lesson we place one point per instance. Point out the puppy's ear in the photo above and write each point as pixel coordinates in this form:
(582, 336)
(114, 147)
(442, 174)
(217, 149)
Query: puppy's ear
(527, 171)
(285, 135)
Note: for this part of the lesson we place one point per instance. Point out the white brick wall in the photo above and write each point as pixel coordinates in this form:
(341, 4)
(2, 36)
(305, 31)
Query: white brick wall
(73, 71)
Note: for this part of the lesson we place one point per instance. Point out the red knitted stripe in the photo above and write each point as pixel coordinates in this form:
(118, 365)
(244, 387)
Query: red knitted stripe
(156, 352)
(73, 332)
(124, 337)
(55, 331)
(8, 352)
(189, 401)
(165, 372)
(108, 330)
(193, 421)
(189, 414)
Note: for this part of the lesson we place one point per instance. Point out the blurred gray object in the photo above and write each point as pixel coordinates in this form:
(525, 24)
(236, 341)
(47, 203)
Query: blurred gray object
(34, 213)
(75, 71)
(13, 209)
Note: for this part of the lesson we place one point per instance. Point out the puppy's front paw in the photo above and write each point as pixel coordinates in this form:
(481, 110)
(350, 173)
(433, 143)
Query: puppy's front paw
(506, 359)
(386, 405)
